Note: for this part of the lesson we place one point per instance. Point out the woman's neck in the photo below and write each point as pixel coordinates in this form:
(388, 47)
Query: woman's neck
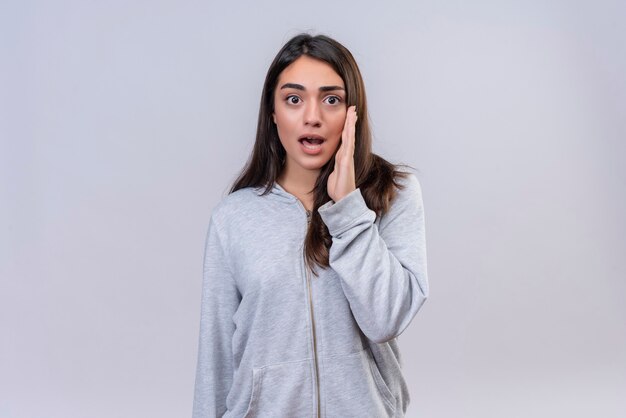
(299, 183)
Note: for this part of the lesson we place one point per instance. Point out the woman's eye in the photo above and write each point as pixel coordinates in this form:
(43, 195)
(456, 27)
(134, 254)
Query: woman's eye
(289, 99)
(335, 100)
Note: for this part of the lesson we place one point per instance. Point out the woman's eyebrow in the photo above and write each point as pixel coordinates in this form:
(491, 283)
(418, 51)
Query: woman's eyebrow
(301, 87)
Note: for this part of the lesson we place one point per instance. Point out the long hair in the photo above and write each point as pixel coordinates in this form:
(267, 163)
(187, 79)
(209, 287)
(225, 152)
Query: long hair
(376, 177)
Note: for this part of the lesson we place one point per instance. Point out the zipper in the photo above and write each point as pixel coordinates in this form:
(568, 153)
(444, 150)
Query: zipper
(308, 281)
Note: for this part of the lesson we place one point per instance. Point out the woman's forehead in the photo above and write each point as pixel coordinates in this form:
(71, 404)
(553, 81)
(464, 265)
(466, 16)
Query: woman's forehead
(309, 73)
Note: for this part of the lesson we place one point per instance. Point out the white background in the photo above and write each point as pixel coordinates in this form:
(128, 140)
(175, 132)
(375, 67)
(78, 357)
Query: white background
(124, 122)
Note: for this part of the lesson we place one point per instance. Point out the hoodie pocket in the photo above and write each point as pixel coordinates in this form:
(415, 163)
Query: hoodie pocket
(353, 386)
(283, 389)
(382, 386)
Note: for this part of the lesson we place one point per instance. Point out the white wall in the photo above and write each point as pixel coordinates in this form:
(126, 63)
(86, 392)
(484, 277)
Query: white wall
(123, 123)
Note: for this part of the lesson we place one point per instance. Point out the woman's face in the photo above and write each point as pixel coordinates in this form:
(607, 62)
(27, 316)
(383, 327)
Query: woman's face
(309, 100)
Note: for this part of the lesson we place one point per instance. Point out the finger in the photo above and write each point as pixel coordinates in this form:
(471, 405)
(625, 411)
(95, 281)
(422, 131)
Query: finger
(346, 120)
(346, 133)
(351, 136)
(344, 139)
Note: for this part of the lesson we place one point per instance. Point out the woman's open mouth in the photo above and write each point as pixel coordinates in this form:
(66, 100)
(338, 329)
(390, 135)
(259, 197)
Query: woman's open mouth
(311, 144)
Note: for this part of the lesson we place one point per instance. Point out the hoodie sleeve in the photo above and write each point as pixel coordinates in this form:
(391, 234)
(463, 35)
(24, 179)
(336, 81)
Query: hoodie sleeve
(382, 268)
(220, 298)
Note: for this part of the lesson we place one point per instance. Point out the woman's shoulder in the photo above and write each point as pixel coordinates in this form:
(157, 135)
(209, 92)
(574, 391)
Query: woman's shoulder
(409, 186)
(236, 204)
(406, 207)
(407, 195)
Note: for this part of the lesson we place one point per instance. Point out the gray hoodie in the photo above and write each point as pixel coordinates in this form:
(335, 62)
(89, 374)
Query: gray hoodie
(276, 341)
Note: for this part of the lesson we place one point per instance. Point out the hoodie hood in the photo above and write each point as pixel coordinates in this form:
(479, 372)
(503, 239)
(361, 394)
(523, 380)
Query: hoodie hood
(277, 192)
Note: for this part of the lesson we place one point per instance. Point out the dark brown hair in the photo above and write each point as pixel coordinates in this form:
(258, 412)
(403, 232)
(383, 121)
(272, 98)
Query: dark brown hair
(375, 176)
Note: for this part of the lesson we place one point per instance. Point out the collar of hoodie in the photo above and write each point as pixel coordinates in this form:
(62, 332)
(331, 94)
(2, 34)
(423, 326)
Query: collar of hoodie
(277, 192)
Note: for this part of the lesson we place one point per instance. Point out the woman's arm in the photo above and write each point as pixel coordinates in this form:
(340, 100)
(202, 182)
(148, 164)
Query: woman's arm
(383, 272)
(220, 299)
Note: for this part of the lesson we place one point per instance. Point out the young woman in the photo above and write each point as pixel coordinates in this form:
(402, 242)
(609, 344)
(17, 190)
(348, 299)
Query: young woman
(315, 262)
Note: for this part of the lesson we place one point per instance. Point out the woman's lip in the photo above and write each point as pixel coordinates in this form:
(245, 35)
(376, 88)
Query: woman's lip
(313, 150)
(313, 136)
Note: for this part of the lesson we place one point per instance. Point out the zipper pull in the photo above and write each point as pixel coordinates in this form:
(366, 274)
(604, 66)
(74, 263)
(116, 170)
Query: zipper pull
(308, 216)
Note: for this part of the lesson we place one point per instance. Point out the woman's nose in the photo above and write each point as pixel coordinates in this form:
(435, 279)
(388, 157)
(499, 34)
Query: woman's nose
(312, 114)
